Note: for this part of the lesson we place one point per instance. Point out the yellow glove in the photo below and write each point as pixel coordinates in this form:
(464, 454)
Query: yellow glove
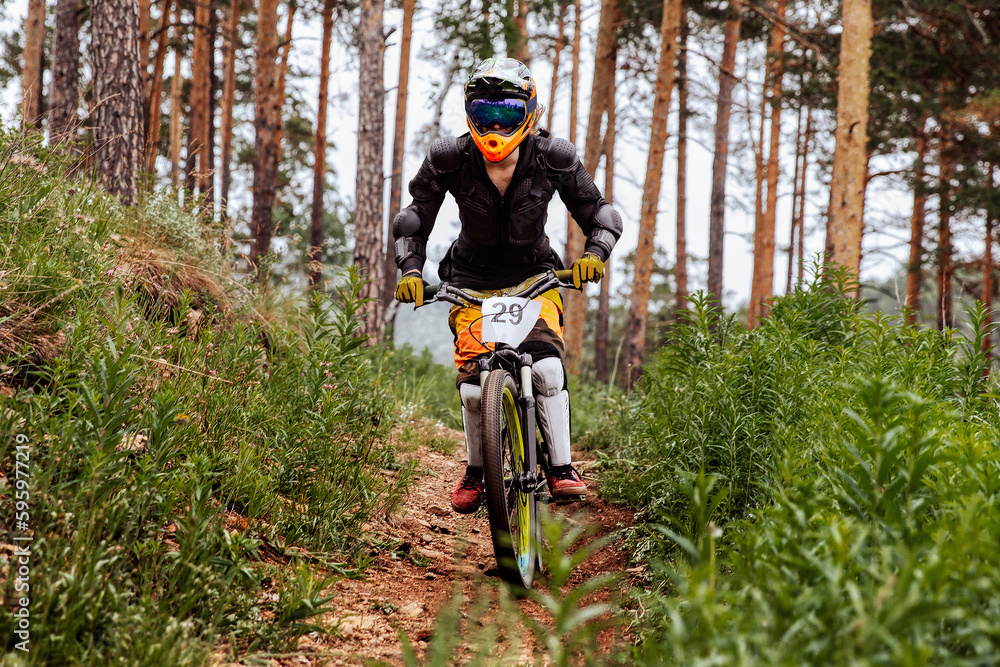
(410, 289)
(587, 269)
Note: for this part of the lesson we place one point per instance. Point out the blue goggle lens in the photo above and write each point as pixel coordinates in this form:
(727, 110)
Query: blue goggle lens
(509, 112)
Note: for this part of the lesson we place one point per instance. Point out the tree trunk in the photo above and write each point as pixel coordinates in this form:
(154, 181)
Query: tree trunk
(847, 183)
(800, 216)
(267, 117)
(398, 150)
(604, 301)
(154, 112)
(946, 267)
(34, 58)
(762, 287)
(368, 253)
(988, 268)
(635, 330)
(914, 269)
(118, 91)
(145, 24)
(199, 142)
(574, 82)
(560, 43)
(606, 55)
(521, 51)
(315, 268)
(232, 38)
(796, 194)
(176, 104)
(284, 49)
(724, 105)
(680, 269)
(64, 94)
(213, 87)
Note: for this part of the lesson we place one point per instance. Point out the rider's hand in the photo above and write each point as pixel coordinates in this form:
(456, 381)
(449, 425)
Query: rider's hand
(410, 289)
(587, 269)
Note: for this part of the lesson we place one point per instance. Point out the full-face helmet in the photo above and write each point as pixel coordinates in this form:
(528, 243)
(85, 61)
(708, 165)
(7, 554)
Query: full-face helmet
(500, 106)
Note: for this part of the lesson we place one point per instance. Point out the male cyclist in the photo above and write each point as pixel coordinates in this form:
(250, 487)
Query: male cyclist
(503, 174)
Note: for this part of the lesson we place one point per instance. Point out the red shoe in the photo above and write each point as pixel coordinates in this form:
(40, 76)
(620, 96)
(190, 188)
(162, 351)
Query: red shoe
(470, 492)
(565, 484)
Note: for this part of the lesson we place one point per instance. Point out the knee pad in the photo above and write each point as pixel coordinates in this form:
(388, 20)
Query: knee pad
(548, 376)
(471, 400)
(472, 396)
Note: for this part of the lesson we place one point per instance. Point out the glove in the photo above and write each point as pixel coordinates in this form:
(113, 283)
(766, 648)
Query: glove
(410, 289)
(587, 269)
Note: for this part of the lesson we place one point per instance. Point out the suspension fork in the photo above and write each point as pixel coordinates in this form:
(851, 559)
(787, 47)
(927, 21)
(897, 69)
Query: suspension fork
(528, 411)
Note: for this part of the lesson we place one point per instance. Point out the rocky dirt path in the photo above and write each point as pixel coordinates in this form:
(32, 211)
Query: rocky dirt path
(411, 581)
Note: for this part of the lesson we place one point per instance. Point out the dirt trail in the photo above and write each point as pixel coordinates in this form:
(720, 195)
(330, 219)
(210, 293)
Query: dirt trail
(408, 585)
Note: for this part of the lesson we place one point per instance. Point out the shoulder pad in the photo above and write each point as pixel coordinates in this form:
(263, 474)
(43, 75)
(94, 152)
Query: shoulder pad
(560, 154)
(445, 154)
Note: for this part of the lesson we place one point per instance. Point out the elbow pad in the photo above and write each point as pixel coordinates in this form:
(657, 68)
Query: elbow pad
(404, 226)
(607, 229)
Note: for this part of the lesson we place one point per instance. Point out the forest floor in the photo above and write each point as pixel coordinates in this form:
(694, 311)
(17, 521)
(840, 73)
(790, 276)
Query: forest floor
(409, 583)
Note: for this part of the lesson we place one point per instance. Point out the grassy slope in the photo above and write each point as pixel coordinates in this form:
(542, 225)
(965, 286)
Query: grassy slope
(181, 446)
(821, 490)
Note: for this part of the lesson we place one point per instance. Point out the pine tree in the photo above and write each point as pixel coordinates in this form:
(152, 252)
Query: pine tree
(31, 71)
(176, 104)
(154, 113)
(118, 93)
(267, 116)
(680, 268)
(914, 269)
(850, 159)
(368, 252)
(199, 140)
(64, 94)
(604, 300)
(398, 149)
(724, 105)
(315, 268)
(635, 330)
(605, 59)
(762, 286)
(233, 39)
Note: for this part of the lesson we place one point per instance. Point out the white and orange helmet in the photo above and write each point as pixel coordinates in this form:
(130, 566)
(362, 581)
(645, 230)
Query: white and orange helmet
(500, 106)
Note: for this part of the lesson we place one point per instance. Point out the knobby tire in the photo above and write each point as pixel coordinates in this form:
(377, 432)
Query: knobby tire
(513, 524)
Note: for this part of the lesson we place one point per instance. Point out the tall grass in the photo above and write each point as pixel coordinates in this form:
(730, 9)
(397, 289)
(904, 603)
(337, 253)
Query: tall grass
(820, 490)
(185, 453)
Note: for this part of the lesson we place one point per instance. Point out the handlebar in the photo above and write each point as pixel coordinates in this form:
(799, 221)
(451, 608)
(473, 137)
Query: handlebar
(458, 296)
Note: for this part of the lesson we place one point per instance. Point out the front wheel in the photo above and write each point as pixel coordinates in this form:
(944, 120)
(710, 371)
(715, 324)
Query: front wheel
(510, 499)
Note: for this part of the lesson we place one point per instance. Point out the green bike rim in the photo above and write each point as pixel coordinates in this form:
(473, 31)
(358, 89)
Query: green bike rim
(518, 506)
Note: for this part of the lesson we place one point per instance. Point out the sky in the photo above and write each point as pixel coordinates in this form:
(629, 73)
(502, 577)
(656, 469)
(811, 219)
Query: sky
(881, 260)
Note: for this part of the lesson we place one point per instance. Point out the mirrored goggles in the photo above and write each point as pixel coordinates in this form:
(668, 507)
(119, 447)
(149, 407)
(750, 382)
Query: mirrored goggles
(509, 113)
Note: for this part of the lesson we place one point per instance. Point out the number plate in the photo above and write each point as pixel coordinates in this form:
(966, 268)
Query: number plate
(508, 319)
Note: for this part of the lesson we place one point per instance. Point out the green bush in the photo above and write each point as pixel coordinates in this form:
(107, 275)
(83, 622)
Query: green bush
(179, 445)
(819, 490)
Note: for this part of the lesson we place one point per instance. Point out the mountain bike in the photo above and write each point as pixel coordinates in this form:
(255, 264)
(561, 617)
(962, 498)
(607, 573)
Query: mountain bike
(511, 453)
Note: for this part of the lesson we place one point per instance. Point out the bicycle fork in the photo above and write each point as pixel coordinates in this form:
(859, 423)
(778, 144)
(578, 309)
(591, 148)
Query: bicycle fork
(528, 480)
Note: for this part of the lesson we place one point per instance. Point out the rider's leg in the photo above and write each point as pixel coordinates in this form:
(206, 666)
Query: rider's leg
(472, 396)
(468, 495)
(552, 401)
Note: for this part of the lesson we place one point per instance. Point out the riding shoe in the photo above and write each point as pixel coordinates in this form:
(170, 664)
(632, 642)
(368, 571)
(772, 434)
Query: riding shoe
(469, 494)
(565, 484)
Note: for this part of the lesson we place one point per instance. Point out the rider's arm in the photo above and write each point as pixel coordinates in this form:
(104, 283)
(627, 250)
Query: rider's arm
(414, 223)
(597, 218)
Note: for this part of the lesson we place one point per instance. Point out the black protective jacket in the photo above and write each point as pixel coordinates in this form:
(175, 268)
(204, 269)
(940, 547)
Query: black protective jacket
(502, 239)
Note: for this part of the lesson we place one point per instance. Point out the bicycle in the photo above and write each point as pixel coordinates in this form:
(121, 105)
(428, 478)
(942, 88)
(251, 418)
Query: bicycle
(511, 452)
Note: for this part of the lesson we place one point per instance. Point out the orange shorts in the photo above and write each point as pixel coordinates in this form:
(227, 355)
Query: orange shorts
(466, 322)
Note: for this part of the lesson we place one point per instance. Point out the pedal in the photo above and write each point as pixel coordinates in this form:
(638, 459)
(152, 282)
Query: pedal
(566, 500)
